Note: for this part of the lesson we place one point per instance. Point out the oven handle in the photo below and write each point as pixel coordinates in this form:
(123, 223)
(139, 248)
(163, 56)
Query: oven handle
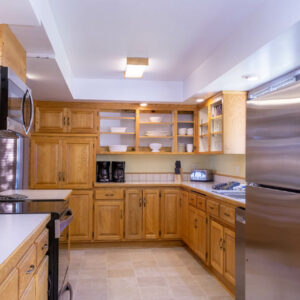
(61, 224)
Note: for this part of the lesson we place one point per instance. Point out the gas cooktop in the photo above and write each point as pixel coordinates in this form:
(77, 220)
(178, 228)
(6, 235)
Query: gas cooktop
(16, 197)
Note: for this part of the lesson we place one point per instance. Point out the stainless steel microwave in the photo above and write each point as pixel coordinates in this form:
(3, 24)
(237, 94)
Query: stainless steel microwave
(201, 175)
(16, 104)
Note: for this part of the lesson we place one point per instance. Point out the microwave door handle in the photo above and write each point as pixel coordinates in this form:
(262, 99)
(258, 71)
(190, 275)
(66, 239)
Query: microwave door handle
(31, 111)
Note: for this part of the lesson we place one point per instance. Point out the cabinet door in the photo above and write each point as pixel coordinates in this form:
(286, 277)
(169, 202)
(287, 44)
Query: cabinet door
(9, 287)
(108, 220)
(229, 255)
(45, 162)
(81, 121)
(201, 243)
(78, 163)
(50, 120)
(151, 213)
(41, 281)
(81, 204)
(133, 214)
(29, 293)
(192, 232)
(184, 215)
(170, 214)
(216, 248)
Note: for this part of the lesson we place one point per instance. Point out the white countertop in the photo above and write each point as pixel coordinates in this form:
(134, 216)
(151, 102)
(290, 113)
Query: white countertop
(40, 194)
(15, 229)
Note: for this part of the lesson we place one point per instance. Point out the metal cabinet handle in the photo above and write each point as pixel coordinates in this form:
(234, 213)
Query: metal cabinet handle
(63, 176)
(68, 121)
(64, 120)
(145, 202)
(31, 269)
(224, 245)
(108, 195)
(227, 214)
(140, 202)
(59, 176)
(221, 243)
(211, 207)
(45, 246)
(196, 223)
(121, 214)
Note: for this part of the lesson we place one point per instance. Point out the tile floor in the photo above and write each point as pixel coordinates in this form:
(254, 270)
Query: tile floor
(141, 274)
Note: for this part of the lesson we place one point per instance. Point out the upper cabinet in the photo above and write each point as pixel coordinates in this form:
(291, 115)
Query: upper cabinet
(65, 120)
(222, 124)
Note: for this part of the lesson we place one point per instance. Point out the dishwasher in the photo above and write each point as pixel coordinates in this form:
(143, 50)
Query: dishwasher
(240, 259)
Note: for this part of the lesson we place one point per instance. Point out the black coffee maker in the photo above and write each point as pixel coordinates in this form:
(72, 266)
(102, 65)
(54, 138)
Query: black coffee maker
(103, 171)
(118, 171)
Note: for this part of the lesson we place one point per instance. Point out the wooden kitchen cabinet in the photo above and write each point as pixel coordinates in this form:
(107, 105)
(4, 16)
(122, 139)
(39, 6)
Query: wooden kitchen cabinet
(133, 214)
(81, 204)
(62, 162)
(108, 220)
(151, 213)
(65, 120)
(192, 232)
(78, 163)
(201, 235)
(41, 280)
(184, 198)
(29, 293)
(9, 287)
(170, 212)
(50, 120)
(46, 162)
(222, 250)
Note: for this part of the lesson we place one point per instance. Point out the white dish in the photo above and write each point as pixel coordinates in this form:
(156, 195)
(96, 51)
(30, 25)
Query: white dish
(117, 148)
(182, 131)
(118, 129)
(155, 119)
(155, 147)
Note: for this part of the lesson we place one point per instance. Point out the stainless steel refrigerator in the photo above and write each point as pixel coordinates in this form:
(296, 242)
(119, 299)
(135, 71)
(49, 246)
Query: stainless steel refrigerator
(273, 199)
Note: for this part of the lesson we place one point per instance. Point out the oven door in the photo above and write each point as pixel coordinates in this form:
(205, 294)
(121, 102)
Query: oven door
(64, 255)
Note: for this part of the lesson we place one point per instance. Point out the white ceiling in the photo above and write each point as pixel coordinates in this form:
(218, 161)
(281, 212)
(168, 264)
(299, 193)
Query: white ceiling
(196, 47)
(176, 35)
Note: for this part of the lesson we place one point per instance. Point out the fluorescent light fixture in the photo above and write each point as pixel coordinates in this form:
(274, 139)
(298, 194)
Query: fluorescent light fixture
(199, 100)
(250, 77)
(135, 67)
(143, 104)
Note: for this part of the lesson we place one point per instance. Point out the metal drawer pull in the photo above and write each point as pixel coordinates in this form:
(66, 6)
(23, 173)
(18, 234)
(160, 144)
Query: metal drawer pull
(140, 202)
(45, 247)
(108, 195)
(31, 269)
(221, 243)
(227, 214)
(144, 202)
(212, 207)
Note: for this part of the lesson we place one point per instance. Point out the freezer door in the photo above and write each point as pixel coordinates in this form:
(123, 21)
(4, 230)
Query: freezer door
(273, 143)
(272, 244)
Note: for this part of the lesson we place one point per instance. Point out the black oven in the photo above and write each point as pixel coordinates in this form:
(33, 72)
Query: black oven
(59, 241)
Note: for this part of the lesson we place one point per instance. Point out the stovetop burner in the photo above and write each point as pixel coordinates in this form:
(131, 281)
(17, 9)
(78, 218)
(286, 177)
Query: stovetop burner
(18, 197)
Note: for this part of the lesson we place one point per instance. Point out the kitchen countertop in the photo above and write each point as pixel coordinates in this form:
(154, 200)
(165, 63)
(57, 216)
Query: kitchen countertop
(16, 229)
(40, 194)
(200, 187)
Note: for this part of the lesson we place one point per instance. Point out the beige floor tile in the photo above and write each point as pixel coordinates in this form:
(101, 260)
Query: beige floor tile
(116, 273)
(149, 281)
(157, 293)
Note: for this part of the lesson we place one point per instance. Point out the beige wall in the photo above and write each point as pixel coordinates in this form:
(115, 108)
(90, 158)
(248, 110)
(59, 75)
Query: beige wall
(223, 164)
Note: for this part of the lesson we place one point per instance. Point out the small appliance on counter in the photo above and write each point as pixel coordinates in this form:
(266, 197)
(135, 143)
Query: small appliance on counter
(202, 175)
(226, 185)
(118, 171)
(103, 171)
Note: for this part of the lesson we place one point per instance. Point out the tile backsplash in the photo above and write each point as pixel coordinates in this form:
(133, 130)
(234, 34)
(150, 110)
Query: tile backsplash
(153, 177)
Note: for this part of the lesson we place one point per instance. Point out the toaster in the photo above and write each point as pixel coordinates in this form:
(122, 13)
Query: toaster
(201, 175)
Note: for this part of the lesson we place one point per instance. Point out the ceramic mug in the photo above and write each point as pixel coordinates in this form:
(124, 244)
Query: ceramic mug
(182, 131)
(190, 131)
(189, 147)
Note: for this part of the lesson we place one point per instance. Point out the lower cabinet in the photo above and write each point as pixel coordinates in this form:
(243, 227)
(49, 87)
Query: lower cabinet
(41, 281)
(9, 288)
(81, 204)
(29, 293)
(197, 239)
(184, 200)
(170, 214)
(222, 250)
(108, 220)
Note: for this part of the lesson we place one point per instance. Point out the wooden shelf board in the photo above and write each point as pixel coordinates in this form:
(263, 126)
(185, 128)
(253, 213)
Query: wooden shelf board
(203, 135)
(217, 117)
(117, 118)
(185, 122)
(117, 133)
(155, 137)
(148, 152)
(216, 133)
(156, 123)
(186, 136)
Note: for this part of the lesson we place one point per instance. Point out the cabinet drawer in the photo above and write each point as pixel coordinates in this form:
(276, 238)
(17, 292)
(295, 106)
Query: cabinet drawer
(42, 245)
(227, 214)
(201, 202)
(27, 268)
(192, 199)
(213, 208)
(107, 193)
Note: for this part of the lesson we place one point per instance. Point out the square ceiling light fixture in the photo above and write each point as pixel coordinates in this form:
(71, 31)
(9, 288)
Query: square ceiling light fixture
(135, 67)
